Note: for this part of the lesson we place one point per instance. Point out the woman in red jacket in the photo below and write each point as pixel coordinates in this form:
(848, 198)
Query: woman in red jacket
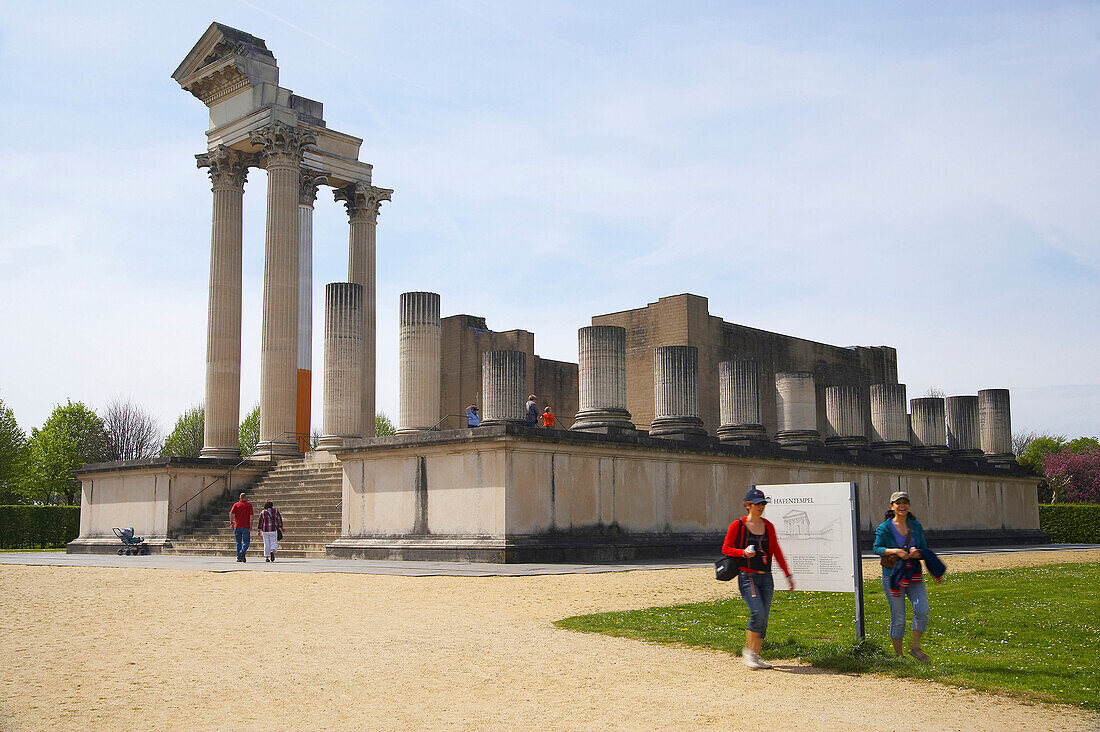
(752, 541)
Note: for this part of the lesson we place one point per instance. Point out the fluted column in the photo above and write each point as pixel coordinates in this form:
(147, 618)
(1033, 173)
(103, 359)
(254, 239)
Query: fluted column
(796, 409)
(676, 392)
(363, 202)
(995, 419)
(228, 170)
(739, 402)
(343, 364)
(601, 368)
(281, 153)
(844, 415)
(503, 387)
(419, 365)
(963, 427)
(889, 418)
(308, 182)
(929, 425)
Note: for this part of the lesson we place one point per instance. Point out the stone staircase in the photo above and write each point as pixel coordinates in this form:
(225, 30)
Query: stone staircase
(307, 496)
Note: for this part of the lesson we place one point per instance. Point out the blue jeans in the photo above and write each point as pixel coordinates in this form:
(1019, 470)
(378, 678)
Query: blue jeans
(918, 596)
(244, 539)
(756, 591)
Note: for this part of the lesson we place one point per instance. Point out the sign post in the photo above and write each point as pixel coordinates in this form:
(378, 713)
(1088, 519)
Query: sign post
(818, 529)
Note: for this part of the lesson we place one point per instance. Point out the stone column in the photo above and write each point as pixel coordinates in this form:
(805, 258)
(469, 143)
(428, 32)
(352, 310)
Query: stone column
(676, 392)
(796, 409)
(889, 418)
(601, 367)
(420, 343)
(228, 170)
(929, 425)
(503, 387)
(343, 364)
(363, 202)
(995, 418)
(963, 429)
(308, 182)
(844, 415)
(739, 402)
(281, 153)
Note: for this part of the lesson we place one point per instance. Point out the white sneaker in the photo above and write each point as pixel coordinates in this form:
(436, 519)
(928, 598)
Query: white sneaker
(752, 659)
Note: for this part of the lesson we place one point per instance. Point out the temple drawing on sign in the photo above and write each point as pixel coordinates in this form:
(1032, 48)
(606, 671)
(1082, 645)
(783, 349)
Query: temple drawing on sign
(668, 414)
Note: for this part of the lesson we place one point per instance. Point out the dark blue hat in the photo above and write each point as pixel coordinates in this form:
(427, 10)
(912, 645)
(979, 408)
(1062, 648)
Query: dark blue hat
(755, 495)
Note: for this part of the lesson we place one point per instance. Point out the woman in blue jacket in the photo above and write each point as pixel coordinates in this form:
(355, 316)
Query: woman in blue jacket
(893, 541)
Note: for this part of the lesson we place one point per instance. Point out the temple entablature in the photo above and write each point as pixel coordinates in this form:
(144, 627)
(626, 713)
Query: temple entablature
(235, 75)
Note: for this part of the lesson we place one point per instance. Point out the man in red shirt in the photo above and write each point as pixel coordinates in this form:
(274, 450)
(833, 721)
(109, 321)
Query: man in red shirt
(241, 516)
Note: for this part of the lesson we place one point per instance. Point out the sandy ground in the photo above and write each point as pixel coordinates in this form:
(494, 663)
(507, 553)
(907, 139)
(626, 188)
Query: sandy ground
(90, 648)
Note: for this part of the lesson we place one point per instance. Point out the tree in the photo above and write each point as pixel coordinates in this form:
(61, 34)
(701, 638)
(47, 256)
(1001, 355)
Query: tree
(185, 439)
(134, 433)
(315, 437)
(1021, 439)
(935, 391)
(72, 436)
(13, 444)
(1074, 477)
(383, 426)
(1081, 445)
(1039, 447)
(249, 434)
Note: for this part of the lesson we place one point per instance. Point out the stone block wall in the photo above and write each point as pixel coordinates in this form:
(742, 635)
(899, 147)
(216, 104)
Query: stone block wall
(464, 338)
(685, 320)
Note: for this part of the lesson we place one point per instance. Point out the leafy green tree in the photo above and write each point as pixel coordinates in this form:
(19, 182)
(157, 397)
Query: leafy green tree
(1081, 445)
(250, 432)
(383, 426)
(1037, 448)
(185, 439)
(72, 436)
(13, 444)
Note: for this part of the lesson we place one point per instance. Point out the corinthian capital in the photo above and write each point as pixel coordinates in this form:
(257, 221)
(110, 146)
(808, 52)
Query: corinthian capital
(362, 200)
(227, 168)
(281, 144)
(308, 183)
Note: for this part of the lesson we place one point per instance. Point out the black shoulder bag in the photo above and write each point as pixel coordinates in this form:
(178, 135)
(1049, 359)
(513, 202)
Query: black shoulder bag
(726, 568)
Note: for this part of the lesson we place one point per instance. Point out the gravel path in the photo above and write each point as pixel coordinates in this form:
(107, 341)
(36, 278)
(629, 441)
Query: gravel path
(92, 648)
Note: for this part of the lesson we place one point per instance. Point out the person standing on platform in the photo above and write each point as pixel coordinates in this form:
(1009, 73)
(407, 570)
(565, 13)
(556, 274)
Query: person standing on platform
(898, 539)
(752, 541)
(548, 417)
(241, 516)
(532, 413)
(271, 530)
(472, 418)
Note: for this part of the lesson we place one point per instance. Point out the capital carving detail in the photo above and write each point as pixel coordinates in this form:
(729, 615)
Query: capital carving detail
(362, 200)
(226, 167)
(308, 183)
(281, 144)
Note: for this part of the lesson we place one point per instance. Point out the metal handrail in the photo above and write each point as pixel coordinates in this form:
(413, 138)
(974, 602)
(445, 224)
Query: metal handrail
(445, 418)
(243, 460)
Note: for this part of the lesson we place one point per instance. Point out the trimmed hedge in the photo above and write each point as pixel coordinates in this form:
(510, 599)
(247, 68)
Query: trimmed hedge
(38, 527)
(1071, 523)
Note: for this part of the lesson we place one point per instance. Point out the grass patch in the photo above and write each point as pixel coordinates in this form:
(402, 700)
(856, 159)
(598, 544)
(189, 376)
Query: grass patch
(1032, 632)
(23, 551)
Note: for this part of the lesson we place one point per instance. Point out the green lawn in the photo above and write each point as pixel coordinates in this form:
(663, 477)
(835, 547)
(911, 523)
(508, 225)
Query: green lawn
(9, 551)
(1031, 632)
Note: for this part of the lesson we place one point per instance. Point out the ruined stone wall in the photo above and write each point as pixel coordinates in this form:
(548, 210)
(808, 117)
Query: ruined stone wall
(685, 320)
(465, 338)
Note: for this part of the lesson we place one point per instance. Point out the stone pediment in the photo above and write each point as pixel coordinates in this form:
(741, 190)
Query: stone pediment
(223, 62)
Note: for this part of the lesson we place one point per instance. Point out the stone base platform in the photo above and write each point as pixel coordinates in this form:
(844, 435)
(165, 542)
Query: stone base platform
(512, 494)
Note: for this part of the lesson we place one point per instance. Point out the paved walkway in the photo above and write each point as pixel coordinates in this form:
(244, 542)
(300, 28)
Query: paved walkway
(414, 569)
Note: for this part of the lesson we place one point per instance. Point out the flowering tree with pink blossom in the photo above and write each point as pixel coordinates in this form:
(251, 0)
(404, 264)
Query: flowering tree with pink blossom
(1074, 477)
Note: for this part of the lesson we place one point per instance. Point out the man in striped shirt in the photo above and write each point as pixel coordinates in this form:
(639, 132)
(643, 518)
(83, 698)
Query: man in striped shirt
(271, 529)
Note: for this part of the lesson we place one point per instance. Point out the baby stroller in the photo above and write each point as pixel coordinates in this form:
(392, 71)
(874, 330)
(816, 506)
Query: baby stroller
(134, 545)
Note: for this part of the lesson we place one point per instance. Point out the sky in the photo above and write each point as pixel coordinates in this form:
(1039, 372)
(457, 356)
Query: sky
(922, 176)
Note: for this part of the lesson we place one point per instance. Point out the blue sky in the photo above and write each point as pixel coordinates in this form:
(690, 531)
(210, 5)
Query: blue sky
(854, 173)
